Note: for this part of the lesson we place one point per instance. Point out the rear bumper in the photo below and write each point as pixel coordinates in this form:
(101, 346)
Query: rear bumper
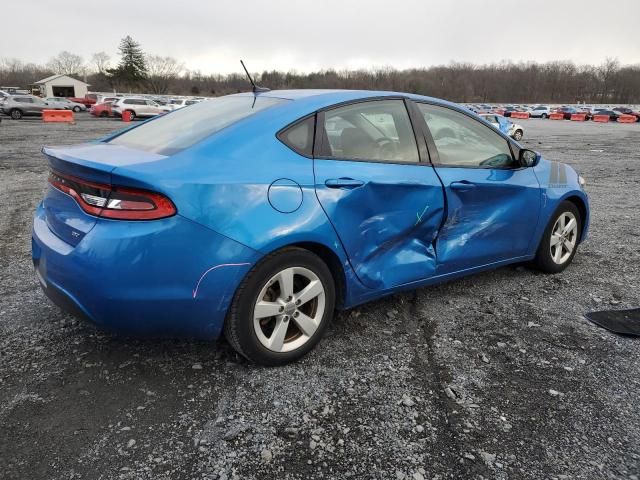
(166, 277)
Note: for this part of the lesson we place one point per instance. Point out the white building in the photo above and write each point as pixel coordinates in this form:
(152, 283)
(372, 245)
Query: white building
(61, 86)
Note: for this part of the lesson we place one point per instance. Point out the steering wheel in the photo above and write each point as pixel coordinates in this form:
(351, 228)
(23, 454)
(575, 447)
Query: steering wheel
(387, 149)
(499, 160)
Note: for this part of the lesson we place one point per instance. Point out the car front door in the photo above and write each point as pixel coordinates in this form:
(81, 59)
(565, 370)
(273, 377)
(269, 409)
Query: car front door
(493, 203)
(374, 181)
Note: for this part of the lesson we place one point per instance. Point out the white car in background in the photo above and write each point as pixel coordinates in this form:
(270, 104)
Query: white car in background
(505, 125)
(176, 103)
(59, 103)
(137, 107)
(541, 111)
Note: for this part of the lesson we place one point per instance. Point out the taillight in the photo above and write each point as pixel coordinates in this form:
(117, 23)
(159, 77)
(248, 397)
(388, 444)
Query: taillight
(110, 201)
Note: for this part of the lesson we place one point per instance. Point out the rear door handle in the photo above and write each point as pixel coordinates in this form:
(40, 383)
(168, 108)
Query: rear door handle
(343, 183)
(462, 186)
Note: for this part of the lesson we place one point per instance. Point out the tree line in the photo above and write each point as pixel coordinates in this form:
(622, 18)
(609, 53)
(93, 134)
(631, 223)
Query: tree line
(525, 82)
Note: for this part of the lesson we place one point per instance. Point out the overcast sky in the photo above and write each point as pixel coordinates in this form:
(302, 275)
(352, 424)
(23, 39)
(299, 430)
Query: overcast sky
(305, 35)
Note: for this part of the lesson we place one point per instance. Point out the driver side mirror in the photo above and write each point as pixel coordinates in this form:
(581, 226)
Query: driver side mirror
(528, 158)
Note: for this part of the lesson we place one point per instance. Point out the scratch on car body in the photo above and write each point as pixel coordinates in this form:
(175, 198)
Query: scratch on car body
(195, 290)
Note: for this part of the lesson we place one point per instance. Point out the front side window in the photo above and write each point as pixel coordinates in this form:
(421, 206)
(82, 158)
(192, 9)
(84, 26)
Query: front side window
(378, 130)
(170, 134)
(464, 142)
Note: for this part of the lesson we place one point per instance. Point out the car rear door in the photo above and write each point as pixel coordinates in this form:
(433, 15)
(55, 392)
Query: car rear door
(374, 181)
(493, 203)
(27, 105)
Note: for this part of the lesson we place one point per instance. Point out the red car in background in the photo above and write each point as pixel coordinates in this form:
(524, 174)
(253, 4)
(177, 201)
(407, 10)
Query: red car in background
(101, 110)
(88, 100)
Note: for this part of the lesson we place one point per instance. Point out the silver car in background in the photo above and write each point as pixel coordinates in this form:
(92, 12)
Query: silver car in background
(59, 103)
(541, 111)
(18, 106)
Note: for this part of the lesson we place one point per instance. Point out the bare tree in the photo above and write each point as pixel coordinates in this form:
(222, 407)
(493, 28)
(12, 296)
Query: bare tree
(100, 62)
(606, 72)
(162, 71)
(66, 63)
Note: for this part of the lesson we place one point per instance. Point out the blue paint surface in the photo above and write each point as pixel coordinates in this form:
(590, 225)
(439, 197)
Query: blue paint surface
(242, 194)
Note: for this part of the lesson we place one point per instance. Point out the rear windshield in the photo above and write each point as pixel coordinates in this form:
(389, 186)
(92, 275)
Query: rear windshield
(185, 127)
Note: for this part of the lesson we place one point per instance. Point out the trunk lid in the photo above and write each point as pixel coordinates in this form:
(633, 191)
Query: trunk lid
(92, 162)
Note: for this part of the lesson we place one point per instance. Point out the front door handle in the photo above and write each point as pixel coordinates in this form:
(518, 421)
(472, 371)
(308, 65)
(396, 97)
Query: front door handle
(343, 183)
(462, 186)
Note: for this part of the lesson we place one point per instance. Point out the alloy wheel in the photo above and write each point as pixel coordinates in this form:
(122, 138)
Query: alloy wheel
(289, 309)
(564, 236)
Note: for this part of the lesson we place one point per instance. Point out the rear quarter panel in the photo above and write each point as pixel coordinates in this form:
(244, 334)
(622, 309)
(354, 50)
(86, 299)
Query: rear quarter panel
(226, 183)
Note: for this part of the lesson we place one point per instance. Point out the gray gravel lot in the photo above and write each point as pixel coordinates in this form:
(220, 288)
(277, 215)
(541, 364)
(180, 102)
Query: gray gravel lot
(494, 376)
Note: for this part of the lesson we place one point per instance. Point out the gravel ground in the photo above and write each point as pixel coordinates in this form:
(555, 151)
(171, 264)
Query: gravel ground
(494, 376)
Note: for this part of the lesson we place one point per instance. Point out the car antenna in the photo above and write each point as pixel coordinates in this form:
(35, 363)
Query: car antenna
(255, 88)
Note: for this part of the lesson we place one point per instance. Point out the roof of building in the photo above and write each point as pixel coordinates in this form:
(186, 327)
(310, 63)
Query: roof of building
(54, 77)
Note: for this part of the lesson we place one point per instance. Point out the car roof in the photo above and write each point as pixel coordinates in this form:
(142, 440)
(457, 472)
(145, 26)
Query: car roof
(318, 99)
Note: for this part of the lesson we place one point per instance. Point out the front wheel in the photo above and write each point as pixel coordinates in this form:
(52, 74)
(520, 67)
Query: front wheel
(282, 307)
(544, 115)
(560, 240)
(76, 109)
(16, 114)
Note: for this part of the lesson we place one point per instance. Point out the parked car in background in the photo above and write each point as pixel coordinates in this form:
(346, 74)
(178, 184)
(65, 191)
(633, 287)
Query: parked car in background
(227, 216)
(509, 109)
(628, 111)
(18, 106)
(514, 130)
(137, 107)
(613, 115)
(59, 103)
(541, 111)
(106, 98)
(567, 112)
(101, 109)
(88, 100)
(177, 103)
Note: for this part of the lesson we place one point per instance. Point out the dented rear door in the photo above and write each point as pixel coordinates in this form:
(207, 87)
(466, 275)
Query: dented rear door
(384, 202)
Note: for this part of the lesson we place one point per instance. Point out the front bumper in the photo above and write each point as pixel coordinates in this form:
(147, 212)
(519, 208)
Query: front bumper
(164, 277)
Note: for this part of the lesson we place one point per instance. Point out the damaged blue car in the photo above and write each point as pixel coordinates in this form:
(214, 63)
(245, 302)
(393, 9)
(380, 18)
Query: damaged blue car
(256, 215)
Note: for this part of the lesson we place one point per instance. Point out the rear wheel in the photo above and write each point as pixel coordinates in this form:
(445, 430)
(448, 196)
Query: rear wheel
(281, 308)
(132, 115)
(544, 115)
(104, 114)
(518, 135)
(560, 240)
(16, 114)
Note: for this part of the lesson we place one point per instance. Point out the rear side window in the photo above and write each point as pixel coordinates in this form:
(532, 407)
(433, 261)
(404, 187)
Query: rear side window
(299, 137)
(183, 128)
(376, 130)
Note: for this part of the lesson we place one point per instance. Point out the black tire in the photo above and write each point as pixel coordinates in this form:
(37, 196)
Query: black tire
(543, 261)
(517, 135)
(104, 114)
(132, 115)
(76, 109)
(238, 328)
(16, 114)
(544, 115)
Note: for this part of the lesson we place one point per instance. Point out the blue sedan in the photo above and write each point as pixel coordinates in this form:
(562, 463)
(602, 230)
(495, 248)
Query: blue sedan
(259, 214)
